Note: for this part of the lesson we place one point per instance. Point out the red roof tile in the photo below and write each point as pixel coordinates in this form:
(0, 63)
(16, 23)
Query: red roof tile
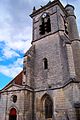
(17, 80)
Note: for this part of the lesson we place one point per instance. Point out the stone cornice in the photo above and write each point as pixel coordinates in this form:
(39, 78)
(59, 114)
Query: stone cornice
(40, 10)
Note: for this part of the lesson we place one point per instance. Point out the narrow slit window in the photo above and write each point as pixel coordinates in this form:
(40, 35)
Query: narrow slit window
(45, 63)
(66, 26)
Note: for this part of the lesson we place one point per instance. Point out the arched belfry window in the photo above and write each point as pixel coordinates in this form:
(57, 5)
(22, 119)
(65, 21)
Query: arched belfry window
(45, 63)
(13, 114)
(45, 25)
(47, 106)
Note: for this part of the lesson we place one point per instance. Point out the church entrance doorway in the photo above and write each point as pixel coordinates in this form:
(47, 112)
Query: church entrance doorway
(13, 114)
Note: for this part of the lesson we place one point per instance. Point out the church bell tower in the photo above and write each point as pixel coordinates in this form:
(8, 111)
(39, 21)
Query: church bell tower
(53, 62)
(50, 66)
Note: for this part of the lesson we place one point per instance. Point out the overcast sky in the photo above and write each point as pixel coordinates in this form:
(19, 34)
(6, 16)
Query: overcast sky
(15, 33)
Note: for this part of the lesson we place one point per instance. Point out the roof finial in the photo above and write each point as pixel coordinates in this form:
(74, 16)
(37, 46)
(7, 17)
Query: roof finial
(49, 2)
(34, 9)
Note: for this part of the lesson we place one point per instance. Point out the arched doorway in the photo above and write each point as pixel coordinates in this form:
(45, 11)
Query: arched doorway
(47, 106)
(13, 114)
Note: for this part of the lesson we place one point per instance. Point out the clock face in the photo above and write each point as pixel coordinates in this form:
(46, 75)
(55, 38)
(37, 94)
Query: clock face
(44, 15)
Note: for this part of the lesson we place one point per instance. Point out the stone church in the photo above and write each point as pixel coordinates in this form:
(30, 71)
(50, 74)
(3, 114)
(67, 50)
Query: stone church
(48, 88)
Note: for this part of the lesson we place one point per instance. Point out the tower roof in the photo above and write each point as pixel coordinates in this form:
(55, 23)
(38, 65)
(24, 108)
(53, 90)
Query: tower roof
(47, 6)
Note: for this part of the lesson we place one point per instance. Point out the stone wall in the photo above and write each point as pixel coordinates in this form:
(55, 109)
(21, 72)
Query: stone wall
(23, 105)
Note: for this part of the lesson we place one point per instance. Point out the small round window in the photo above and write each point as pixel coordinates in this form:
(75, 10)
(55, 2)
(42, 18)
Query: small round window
(14, 98)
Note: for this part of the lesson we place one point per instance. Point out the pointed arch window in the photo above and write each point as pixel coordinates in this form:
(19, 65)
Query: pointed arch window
(48, 107)
(45, 63)
(45, 25)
